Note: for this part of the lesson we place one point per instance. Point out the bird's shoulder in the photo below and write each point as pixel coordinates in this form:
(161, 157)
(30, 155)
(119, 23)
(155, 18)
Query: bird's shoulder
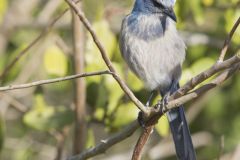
(145, 26)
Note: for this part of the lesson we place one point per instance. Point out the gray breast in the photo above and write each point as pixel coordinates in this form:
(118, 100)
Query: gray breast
(154, 53)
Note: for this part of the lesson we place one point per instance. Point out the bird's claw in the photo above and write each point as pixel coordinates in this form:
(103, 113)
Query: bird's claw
(161, 105)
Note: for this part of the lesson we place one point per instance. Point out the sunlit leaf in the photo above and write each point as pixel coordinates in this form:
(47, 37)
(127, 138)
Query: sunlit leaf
(196, 8)
(208, 2)
(186, 76)
(93, 57)
(201, 65)
(3, 8)
(25, 153)
(115, 92)
(90, 138)
(216, 105)
(162, 126)
(99, 113)
(55, 61)
(134, 82)
(45, 118)
(126, 113)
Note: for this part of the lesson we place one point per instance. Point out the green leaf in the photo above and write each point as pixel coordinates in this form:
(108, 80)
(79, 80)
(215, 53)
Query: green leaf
(125, 114)
(162, 126)
(93, 57)
(99, 113)
(45, 118)
(90, 138)
(55, 61)
(135, 83)
(201, 65)
(196, 8)
(208, 2)
(3, 8)
(186, 76)
(114, 90)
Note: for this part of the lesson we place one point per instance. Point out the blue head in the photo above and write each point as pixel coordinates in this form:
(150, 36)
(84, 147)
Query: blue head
(156, 6)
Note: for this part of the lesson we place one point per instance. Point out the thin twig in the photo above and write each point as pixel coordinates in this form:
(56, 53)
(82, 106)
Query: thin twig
(227, 41)
(105, 57)
(14, 102)
(203, 89)
(217, 67)
(55, 80)
(107, 143)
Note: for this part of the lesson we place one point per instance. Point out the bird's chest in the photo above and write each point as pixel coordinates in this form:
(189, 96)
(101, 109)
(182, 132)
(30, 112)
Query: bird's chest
(152, 49)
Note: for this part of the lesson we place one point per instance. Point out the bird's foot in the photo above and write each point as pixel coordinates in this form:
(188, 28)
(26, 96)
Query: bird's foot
(165, 100)
(161, 105)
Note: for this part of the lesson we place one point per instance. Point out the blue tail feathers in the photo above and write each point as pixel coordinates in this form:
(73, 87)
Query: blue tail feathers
(181, 135)
(180, 132)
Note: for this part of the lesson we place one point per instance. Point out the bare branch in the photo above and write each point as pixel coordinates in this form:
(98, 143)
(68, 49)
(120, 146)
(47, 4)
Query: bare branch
(107, 143)
(205, 75)
(102, 147)
(205, 88)
(55, 80)
(227, 41)
(105, 57)
(141, 142)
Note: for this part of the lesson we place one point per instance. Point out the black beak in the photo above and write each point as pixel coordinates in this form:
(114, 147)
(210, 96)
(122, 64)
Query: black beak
(170, 13)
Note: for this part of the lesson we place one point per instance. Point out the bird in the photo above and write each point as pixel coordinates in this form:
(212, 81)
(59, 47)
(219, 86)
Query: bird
(153, 49)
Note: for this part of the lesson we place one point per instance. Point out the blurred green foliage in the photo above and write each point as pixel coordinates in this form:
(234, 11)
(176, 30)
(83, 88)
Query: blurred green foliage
(49, 110)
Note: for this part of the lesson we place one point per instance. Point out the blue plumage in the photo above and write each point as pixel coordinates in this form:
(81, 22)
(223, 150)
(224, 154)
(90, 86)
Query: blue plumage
(153, 49)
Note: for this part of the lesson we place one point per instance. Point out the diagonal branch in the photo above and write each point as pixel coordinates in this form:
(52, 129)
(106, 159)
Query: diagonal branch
(227, 41)
(191, 84)
(107, 143)
(105, 57)
(104, 145)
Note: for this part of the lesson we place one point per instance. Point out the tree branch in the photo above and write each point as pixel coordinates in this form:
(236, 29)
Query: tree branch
(141, 142)
(105, 57)
(107, 143)
(104, 145)
(205, 75)
(227, 41)
(55, 80)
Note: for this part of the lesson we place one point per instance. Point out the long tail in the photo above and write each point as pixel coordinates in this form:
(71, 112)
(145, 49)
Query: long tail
(180, 132)
(181, 135)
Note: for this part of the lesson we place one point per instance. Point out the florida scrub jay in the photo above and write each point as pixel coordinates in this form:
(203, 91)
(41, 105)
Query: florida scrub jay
(154, 51)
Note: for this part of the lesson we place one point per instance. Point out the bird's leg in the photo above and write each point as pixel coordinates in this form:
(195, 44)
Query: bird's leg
(165, 99)
(163, 102)
(149, 101)
(140, 114)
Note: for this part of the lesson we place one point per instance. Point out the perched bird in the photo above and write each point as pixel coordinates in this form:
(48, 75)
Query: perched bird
(154, 51)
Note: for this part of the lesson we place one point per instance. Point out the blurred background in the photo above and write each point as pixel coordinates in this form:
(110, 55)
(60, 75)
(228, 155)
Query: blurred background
(39, 123)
